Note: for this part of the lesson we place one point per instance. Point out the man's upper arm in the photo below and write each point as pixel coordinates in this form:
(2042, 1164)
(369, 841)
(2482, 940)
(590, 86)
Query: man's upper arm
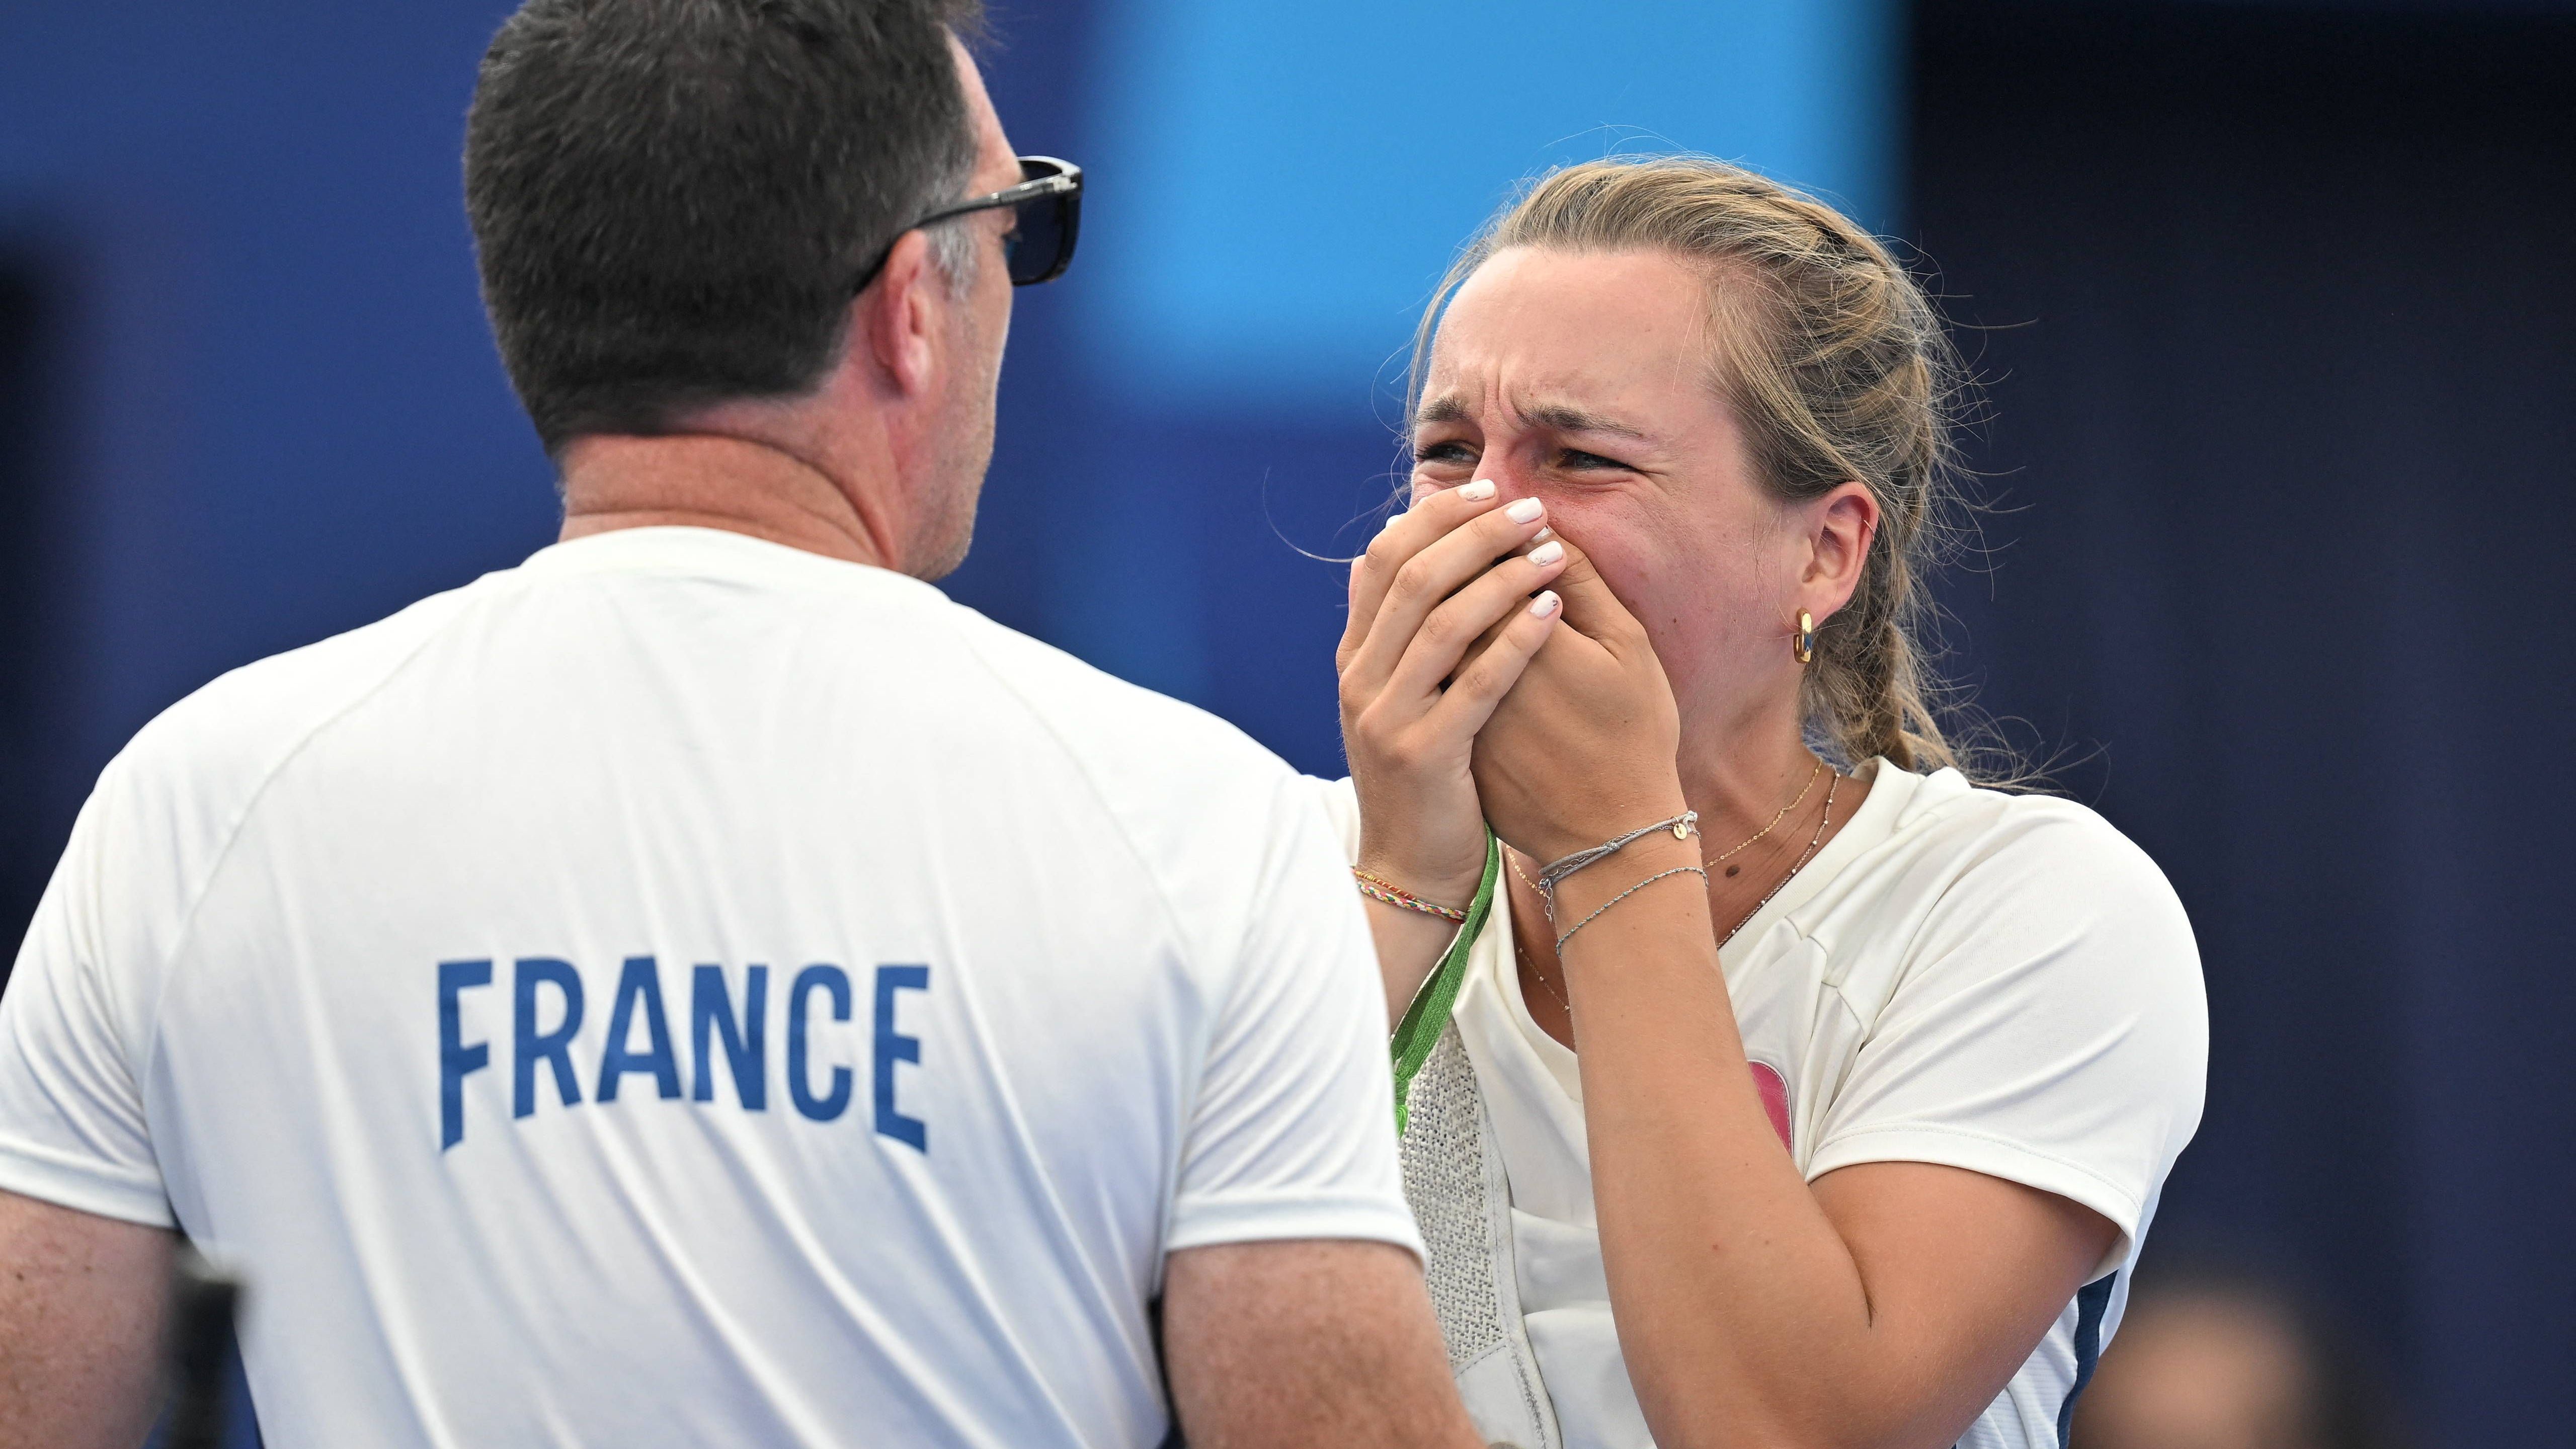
(1302, 1343)
(1291, 1133)
(84, 1242)
(1294, 1311)
(82, 1299)
(72, 1127)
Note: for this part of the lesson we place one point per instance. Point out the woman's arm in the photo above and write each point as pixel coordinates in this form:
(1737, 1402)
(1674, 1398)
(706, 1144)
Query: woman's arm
(1441, 625)
(1884, 1306)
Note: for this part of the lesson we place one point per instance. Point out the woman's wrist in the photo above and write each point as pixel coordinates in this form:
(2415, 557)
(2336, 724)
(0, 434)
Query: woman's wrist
(1409, 947)
(1451, 888)
(1594, 886)
(1386, 892)
(1604, 816)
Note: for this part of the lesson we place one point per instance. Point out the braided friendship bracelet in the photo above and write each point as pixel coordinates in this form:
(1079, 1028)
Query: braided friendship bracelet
(1623, 895)
(1683, 827)
(1379, 888)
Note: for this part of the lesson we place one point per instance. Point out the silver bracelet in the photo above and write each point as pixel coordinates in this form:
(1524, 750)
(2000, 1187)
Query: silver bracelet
(1623, 895)
(1683, 827)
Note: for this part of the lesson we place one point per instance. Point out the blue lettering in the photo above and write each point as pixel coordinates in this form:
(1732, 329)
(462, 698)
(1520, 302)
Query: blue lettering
(745, 1043)
(828, 978)
(641, 981)
(455, 1058)
(892, 1047)
(721, 1036)
(554, 1048)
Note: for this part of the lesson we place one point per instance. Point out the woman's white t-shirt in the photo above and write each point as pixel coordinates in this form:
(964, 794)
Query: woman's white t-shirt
(2001, 983)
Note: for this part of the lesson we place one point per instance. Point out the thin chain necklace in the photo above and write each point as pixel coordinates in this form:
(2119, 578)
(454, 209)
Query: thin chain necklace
(1795, 866)
(1794, 803)
(1541, 977)
(1546, 907)
(1813, 843)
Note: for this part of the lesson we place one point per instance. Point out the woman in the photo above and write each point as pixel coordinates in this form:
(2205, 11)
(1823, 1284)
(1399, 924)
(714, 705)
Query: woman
(1776, 1085)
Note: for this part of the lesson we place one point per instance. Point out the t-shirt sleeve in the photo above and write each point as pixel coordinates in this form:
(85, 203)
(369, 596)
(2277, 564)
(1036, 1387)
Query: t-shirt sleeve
(1341, 804)
(2048, 1027)
(1292, 1134)
(71, 1105)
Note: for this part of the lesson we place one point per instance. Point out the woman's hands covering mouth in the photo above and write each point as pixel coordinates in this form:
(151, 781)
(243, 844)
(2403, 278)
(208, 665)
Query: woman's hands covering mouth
(1463, 701)
(1447, 608)
(1584, 745)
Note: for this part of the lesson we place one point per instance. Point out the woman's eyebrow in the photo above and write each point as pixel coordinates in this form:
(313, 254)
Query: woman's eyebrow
(1567, 418)
(1440, 410)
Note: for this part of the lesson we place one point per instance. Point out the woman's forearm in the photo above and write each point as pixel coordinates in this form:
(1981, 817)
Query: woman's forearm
(1409, 945)
(1742, 1314)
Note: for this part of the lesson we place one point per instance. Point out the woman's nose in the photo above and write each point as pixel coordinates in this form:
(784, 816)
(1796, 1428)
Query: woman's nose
(1511, 481)
(1518, 492)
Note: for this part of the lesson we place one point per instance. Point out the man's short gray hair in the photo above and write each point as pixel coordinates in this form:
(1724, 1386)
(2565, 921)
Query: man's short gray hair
(953, 246)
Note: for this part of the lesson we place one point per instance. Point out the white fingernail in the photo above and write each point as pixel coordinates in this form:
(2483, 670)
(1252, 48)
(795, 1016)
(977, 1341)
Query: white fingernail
(1545, 605)
(1546, 554)
(1543, 535)
(1392, 520)
(1478, 491)
(1524, 510)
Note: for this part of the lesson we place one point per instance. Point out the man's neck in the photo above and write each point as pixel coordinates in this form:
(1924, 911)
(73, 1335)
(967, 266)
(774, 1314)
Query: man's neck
(706, 480)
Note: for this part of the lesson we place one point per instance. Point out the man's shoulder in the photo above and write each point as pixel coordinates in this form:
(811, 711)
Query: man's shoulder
(240, 727)
(1104, 721)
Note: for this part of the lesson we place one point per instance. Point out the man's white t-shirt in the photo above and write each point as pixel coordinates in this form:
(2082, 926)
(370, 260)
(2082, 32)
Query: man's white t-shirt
(689, 991)
(2001, 983)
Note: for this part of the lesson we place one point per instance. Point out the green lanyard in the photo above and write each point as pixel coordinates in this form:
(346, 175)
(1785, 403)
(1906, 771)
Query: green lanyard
(1428, 1016)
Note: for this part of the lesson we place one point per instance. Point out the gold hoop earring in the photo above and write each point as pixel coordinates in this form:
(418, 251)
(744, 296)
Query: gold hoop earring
(1804, 644)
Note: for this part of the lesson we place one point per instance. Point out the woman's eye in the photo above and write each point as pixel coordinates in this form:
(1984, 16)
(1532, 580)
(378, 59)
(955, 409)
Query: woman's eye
(1450, 452)
(1576, 458)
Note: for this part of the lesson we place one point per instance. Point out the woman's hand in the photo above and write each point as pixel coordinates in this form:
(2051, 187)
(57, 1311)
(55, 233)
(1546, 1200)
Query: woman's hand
(1584, 747)
(1442, 623)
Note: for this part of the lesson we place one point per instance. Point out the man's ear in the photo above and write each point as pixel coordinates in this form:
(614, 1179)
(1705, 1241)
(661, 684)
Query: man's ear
(901, 319)
(1841, 526)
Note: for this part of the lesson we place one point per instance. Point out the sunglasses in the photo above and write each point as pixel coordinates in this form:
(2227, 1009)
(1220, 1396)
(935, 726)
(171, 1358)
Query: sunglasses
(1049, 216)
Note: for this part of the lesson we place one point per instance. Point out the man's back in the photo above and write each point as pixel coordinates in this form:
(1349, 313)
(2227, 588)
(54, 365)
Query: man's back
(691, 990)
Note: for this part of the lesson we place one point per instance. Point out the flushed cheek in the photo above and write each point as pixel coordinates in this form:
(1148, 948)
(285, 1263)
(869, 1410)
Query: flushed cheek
(1636, 556)
(1692, 611)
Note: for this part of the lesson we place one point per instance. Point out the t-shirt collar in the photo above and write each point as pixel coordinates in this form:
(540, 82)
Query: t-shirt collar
(687, 551)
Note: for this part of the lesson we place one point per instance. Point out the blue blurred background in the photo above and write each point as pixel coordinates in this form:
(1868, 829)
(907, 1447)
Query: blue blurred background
(2273, 303)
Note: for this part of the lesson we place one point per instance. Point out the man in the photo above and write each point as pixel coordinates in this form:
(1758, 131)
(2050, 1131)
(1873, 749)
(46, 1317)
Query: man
(702, 986)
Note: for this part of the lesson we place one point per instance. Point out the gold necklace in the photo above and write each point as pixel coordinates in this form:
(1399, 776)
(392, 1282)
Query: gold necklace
(1541, 977)
(1794, 866)
(1784, 811)
(1546, 907)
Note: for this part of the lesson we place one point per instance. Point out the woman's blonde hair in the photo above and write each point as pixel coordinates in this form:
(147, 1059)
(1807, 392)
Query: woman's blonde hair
(1837, 367)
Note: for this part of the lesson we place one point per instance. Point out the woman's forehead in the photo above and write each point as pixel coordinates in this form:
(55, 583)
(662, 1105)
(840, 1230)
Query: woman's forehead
(1541, 333)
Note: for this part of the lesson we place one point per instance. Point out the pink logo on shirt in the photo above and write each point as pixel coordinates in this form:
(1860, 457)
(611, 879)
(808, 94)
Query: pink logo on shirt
(1774, 1092)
